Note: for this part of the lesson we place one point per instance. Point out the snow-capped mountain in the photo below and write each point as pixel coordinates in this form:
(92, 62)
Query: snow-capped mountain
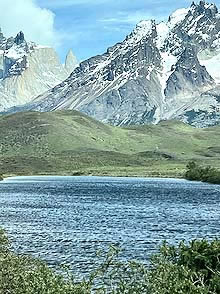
(28, 70)
(160, 71)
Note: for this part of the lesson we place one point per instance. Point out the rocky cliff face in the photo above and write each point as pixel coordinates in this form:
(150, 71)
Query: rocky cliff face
(27, 70)
(160, 71)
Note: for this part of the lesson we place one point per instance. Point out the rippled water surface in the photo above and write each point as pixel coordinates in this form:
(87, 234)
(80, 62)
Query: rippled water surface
(67, 219)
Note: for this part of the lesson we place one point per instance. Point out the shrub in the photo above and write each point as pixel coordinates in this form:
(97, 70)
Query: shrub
(187, 269)
(205, 174)
(25, 275)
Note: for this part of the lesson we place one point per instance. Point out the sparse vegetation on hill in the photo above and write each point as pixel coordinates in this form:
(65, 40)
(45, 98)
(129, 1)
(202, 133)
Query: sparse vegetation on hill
(71, 143)
(205, 174)
(185, 269)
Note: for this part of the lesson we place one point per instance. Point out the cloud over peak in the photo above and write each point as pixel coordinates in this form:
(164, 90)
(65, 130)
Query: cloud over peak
(25, 15)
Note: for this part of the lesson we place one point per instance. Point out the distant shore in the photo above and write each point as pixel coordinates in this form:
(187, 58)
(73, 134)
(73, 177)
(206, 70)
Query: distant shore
(102, 174)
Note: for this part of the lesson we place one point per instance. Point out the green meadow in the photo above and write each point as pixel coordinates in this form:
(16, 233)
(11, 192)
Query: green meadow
(71, 143)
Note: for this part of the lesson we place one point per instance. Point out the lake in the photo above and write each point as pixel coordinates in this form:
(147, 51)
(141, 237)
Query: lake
(67, 219)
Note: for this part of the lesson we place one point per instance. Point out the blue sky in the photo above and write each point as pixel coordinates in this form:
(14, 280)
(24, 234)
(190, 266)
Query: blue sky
(90, 26)
(86, 26)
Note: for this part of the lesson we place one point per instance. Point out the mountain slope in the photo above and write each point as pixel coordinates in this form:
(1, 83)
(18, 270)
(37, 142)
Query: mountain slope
(27, 70)
(68, 142)
(160, 71)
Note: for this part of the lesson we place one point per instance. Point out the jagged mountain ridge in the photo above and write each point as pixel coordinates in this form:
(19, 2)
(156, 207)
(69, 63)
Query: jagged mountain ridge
(28, 70)
(160, 71)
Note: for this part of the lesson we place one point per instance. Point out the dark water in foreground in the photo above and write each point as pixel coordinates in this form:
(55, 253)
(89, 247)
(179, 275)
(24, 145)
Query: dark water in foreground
(67, 219)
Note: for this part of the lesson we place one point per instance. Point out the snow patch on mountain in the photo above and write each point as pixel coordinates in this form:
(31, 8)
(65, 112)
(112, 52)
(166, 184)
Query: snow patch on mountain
(168, 62)
(15, 52)
(178, 16)
(162, 33)
(143, 28)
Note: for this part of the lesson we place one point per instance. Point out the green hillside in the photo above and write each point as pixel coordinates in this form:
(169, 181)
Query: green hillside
(70, 143)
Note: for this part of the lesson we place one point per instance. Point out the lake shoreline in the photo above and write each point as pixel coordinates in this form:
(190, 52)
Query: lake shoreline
(125, 174)
(95, 175)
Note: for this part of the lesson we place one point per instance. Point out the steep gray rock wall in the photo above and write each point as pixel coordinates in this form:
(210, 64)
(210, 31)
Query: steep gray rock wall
(27, 70)
(71, 62)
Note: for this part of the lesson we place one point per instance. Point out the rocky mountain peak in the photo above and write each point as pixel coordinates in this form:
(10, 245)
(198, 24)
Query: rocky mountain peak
(210, 10)
(144, 29)
(71, 61)
(28, 69)
(19, 39)
(177, 17)
(193, 14)
(193, 4)
(199, 24)
(15, 55)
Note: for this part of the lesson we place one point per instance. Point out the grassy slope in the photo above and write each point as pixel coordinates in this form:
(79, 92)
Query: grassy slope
(68, 142)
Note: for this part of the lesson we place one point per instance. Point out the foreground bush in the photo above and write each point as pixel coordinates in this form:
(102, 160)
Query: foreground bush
(25, 275)
(205, 174)
(186, 269)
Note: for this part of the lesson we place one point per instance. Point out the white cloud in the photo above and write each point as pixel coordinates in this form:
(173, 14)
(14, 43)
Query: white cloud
(25, 15)
(130, 18)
